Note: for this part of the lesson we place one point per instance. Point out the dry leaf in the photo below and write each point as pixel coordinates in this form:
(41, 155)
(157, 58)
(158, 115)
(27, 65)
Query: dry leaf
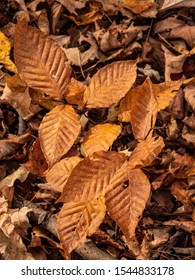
(58, 175)
(182, 166)
(90, 178)
(173, 4)
(9, 145)
(75, 92)
(58, 132)
(137, 6)
(5, 52)
(100, 137)
(77, 220)
(110, 84)
(126, 202)
(145, 152)
(140, 108)
(41, 63)
(185, 225)
(36, 163)
(189, 94)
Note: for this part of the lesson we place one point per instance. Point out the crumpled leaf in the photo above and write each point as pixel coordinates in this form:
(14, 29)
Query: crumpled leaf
(5, 52)
(58, 132)
(189, 94)
(9, 145)
(36, 163)
(145, 152)
(75, 93)
(173, 4)
(182, 166)
(140, 108)
(41, 63)
(100, 137)
(137, 6)
(104, 89)
(58, 175)
(126, 199)
(77, 220)
(16, 93)
(11, 244)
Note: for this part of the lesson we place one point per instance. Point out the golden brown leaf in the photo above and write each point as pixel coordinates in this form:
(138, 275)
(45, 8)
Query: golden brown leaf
(77, 220)
(137, 6)
(145, 152)
(140, 107)
(90, 178)
(100, 137)
(5, 52)
(58, 175)
(126, 198)
(58, 132)
(110, 84)
(182, 166)
(75, 92)
(41, 63)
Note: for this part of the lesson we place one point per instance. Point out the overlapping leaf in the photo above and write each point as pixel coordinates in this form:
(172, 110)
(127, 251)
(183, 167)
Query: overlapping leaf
(77, 220)
(58, 132)
(5, 52)
(58, 175)
(126, 202)
(145, 152)
(100, 137)
(41, 62)
(141, 106)
(182, 166)
(110, 84)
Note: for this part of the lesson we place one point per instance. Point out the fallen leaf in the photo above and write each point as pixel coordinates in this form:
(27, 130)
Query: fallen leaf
(189, 226)
(173, 4)
(58, 175)
(100, 137)
(41, 63)
(77, 220)
(137, 6)
(140, 108)
(75, 92)
(36, 163)
(58, 132)
(145, 152)
(104, 89)
(5, 53)
(43, 22)
(189, 94)
(182, 166)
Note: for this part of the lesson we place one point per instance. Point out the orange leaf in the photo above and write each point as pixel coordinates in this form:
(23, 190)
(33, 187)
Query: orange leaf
(100, 137)
(58, 132)
(137, 6)
(41, 62)
(126, 202)
(145, 152)
(140, 107)
(182, 166)
(90, 178)
(58, 175)
(77, 220)
(75, 92)
(110, 84)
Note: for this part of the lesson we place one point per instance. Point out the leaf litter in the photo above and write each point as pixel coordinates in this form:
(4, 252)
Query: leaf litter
(97, 129)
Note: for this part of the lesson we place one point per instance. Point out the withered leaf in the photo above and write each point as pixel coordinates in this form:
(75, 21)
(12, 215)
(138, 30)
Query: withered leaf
(58, 132)
(182, 166)
(145, 152)
(5, 52)
(36, 163)
(126, 203)
(137, 6)
(100, 137)
(58, 175)
(41, 63)
(75, 92)
(90, 178)
(140, 108)
(110, 84)
(77, 220)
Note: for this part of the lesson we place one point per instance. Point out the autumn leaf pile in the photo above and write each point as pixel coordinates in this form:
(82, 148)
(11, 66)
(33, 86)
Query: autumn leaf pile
(97, 129)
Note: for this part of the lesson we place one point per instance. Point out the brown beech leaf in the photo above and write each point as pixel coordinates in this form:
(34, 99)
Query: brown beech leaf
(182, 166)
(137, 6)
(58, 132)
(80, 219)
(145, 152)
(140, 108)
(9, 145)
(110, 84)
(36, 163)
(126, 198)
(58, 175)
(90, 178)
(75, 92)
(41, 63)
(100, 137)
